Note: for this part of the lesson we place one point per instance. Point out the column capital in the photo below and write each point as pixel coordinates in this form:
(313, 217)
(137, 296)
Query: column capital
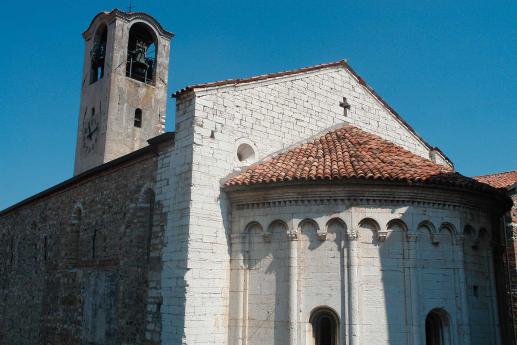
(459, 239)
(353, 235)
(322, 236)
(381, 235)
(235, 236)
(292, 235)
(411, 236)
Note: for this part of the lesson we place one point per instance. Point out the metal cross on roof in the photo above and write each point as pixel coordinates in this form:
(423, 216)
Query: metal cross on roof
(345, 105)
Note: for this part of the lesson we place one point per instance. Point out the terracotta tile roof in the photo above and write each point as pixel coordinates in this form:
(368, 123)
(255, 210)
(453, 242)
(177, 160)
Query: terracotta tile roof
(499, 180)
(341, 63)
(351, 153)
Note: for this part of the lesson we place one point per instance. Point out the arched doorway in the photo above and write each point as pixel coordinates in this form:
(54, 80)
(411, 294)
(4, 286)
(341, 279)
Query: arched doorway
(325, 326)
(437, 328)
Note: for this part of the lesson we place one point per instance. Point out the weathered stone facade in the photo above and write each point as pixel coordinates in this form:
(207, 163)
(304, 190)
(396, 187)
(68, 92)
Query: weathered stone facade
(81, 262)
(507, 247)
(510, 251)
(106, 128)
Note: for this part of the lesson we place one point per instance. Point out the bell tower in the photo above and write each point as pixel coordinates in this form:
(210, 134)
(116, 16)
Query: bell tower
(124, 86)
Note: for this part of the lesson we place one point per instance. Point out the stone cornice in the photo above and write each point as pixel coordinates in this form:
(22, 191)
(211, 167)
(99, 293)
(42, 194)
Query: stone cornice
(362, 194)
(127, 17)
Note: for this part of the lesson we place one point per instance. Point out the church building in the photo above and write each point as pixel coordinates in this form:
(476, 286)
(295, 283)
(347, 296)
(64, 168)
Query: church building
(291, 208)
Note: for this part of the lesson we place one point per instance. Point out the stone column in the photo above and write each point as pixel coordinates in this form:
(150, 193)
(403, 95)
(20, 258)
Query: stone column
(459, 259)
(238, 289)
(292, 237)
(414, 318)
(353, 289)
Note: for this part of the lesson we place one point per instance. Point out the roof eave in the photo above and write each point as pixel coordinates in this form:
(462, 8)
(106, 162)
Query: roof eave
(499, 195)
(151, 148)
(127, 16)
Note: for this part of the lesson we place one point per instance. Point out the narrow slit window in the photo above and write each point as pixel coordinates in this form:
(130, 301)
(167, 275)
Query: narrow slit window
(11, 259)
(94, 240)
(475, 290)
(150, 213)
(138, 118)
(45, 248)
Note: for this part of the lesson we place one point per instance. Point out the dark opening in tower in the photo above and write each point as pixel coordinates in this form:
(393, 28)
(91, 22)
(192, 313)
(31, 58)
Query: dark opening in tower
(98, 54)
(437, 328)
(141, 54)
(325, 325)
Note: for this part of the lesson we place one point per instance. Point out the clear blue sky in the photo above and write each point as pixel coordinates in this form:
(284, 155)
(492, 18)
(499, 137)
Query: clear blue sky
(448, 67)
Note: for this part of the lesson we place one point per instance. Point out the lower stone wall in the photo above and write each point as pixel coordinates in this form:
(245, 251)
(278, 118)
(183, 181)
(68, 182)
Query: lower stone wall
(76, 263)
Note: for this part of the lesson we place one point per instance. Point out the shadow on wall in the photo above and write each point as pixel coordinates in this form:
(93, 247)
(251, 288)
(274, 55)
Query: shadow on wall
(267, 281)
(321, 277)
(419, 285)
(434, 285)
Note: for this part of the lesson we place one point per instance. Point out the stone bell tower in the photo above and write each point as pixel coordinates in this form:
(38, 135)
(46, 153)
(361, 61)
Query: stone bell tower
(124, 86)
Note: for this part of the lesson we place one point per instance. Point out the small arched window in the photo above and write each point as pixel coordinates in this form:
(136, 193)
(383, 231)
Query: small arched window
(145, 214)
(138, 118)
(325, 325)
(11, 254)
(98, 54)
(45, 248)
(77, 214)
(75, 228)
(437, 328)
(141, 53)
(149, 199)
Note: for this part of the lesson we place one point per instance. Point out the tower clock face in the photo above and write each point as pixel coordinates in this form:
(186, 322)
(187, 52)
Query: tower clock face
(90, 132)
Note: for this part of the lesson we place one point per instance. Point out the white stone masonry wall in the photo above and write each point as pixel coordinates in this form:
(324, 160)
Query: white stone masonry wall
(391, 299)
(173, 189)
(269, 115)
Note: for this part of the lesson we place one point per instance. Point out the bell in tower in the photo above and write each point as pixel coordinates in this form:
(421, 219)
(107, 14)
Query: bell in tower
(141, 54)
(124, 89)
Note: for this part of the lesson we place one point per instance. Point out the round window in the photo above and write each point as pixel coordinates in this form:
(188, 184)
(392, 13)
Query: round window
(245, 153)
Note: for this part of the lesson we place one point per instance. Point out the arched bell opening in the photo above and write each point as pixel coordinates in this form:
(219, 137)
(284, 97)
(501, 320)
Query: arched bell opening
(141, 54)
(98, 54)
(325, 326)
